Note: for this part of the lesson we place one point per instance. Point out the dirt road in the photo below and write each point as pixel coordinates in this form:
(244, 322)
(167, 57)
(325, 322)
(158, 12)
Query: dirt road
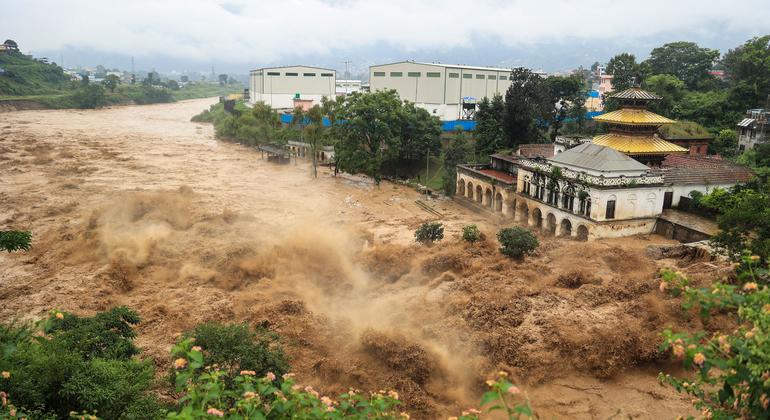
(138, 206)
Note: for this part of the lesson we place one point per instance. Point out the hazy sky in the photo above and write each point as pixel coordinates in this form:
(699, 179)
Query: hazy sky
(237, 35)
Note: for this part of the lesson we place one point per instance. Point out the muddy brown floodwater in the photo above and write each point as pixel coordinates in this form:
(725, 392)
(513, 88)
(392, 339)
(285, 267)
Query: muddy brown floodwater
(138, 206)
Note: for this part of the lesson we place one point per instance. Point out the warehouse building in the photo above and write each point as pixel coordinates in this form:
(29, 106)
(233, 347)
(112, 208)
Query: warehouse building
(442, 89)
(280, 87)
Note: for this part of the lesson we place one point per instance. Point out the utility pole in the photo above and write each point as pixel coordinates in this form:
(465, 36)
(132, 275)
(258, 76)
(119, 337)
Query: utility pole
(347, 76)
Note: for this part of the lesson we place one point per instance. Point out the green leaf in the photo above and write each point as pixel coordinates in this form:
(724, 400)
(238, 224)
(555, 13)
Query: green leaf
(488, 397)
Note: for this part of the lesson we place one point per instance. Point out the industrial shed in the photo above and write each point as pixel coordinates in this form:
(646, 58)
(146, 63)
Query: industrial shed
(279, 87)
(440, 88)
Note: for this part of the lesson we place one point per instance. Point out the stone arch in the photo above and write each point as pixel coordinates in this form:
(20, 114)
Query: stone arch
(499, 202)
(523, 212)
(565, 228)
(470, 190)
(551, 223)
(582, 233)
(537, 217)
(488, 197)
(460, 187)
(479, 194)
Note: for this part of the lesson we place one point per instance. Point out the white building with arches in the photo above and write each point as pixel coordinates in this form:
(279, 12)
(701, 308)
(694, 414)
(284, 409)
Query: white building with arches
(590, 191)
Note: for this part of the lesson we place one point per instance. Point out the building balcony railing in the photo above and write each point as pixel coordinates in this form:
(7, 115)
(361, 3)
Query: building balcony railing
(600, 181)
(484, 171)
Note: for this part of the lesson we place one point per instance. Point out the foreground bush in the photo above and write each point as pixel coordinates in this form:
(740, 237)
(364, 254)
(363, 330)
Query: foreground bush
(732, 368)
(235, 347)
(207, 395)
(472, 234)
(516, 241)
(68, 364)
(13, 240)
(429, 232)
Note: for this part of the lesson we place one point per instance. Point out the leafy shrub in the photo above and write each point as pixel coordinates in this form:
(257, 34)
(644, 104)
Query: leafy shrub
(732, 372)
(89, 96)
(429, 232)
(207, 394)
(13, 240)
(152, 95)
(472, 234)
(70, 364)
(235, 347)
(516, 241)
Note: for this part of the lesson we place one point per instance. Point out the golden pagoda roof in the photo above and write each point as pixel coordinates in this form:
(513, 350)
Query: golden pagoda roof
(649, 145)
(635, 93)
(633, 116)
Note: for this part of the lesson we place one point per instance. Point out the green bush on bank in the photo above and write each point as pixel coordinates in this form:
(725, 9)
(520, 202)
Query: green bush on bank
(66, 364)
(516, 242)
(429, 232)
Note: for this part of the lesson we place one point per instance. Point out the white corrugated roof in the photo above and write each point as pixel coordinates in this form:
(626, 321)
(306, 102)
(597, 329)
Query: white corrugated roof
(746, 122)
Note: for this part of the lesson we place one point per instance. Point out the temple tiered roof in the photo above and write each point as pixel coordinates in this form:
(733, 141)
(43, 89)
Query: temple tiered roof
(633, 129)
(633, 145)
(633, 116)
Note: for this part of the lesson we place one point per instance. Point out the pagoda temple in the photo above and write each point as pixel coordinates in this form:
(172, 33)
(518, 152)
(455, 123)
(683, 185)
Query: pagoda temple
(633, 129)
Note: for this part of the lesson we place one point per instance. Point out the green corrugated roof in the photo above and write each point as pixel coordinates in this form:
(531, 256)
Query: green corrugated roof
(597, 158)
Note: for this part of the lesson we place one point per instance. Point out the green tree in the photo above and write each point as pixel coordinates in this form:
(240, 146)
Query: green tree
(748, 68)
(725, 143)
(370, 133)
(111, 82)
(472, 234)
(667, 86)
(222, 79)
(314, 134)
(516, 242)
(625, 71)
(419, 134)
(13, 240)
(429, 232)
(459, 150)
(489, 126)
(565, 98)
(743, 220)
(380, 129)
(89, 96)
(525, 104)
(684, 60)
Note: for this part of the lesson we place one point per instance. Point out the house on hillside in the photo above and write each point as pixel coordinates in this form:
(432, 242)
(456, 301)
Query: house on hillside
(753, 129)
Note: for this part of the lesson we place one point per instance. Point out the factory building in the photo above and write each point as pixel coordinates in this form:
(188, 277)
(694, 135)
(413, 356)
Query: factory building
(285, 87)
(447, 91)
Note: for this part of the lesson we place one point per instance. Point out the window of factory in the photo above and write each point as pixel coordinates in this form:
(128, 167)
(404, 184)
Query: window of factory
(433, 74)
(454, 75)
(308, 74)
(259, 73)
(467, 76)
(292, 74)
(327, 74)
(503, 77)
(414, 74)
(273, 73)
(379, 74)
(491, 77)
(479, 76)
(396, 74)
